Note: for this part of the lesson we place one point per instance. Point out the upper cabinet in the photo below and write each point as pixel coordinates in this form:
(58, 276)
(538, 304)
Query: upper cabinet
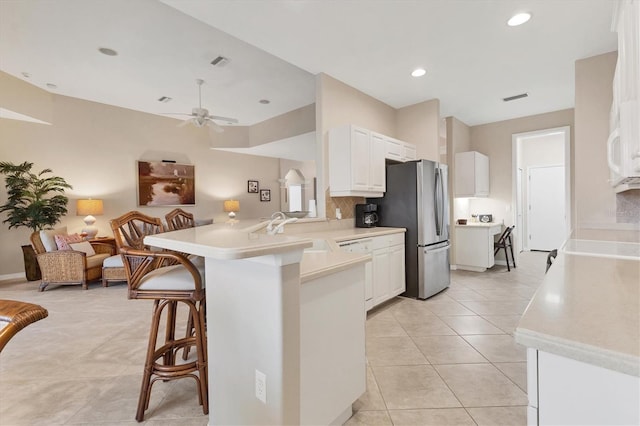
(623, 145)
(471, 174)
(356, 162)
(397, 150)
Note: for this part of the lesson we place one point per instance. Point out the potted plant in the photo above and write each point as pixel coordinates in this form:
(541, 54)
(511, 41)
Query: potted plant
(35, 201)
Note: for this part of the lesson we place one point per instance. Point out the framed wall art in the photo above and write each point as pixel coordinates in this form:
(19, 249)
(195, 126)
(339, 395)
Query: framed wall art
(265, 195)
(252, 186)
(163, 183)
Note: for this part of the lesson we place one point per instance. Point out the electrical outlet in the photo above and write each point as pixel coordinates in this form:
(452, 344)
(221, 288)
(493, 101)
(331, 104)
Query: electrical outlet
(261, 386)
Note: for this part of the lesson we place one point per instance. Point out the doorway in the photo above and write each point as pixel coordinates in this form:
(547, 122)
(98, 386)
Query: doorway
(543, 156)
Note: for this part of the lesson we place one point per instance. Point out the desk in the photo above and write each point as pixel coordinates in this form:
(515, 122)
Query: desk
(474, 246)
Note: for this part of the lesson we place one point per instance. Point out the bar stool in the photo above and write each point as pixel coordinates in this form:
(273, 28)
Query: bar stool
(179, 219)
(15, 316)
(168, 279)
(505, 242)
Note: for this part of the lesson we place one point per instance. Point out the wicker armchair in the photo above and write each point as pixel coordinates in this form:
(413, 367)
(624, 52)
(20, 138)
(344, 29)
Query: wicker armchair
(15, 316)
(62, 267)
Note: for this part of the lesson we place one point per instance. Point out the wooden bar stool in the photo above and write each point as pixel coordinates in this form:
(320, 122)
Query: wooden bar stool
(179, 219)
(168, 279)
(16, 315)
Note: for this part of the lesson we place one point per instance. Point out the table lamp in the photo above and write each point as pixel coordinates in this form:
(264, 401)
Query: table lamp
(88, 208)
(232, 206)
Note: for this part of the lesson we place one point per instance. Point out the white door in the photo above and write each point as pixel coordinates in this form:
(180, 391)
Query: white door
(546, 218)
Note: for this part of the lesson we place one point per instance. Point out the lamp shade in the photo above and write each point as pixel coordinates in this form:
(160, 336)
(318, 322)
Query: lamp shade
(89, 207)
(231, 206)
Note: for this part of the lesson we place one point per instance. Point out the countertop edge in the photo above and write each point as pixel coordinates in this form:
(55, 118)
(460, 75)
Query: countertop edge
(627, 364)
(333, 267)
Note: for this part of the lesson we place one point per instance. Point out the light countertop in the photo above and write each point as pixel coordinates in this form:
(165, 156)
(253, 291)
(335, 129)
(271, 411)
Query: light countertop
(588, 306)
(479, 225)
(340, 235)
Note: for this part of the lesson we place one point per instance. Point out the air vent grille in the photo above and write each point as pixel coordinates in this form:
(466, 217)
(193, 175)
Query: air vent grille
(513, 98)
(220, 61)
(164, 99)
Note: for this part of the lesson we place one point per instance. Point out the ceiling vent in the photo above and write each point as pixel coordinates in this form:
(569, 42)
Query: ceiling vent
(513, 98)
(220, 61)
(164, 99)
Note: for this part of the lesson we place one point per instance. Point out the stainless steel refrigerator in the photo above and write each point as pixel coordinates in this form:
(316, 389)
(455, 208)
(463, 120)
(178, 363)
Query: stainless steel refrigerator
(416, 198)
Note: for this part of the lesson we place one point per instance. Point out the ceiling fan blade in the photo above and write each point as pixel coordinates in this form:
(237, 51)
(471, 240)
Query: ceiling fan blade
(227, 119)
(175, 113)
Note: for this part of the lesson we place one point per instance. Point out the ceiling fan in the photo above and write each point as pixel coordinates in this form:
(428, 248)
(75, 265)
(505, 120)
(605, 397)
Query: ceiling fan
(200, 117)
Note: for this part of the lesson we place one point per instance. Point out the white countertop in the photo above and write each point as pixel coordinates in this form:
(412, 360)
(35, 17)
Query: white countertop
(479, 225)
(340, 235)
(588, 306)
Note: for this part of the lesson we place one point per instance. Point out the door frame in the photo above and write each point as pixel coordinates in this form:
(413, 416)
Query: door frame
(528, 200)
(516, 140)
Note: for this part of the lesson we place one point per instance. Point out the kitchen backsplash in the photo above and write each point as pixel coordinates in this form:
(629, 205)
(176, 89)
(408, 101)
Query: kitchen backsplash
(628, 206)
(347, 205)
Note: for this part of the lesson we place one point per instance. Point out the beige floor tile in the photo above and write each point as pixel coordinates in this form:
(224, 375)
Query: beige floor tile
(372, 398)
(384, 326)
(502, 348)
(505, 307)
(393, 351)
(464, 294)
(431, 417)
(370, 418)
(470, 324)
(506, 323)
(499, 416)
(516, 371)
(425, 326)
(502, 294)
(448, 350)
(406, 387)
(450, 307)
(481, 385)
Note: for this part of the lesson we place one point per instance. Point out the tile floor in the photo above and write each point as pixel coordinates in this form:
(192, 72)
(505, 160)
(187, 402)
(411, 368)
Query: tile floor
(450, 360)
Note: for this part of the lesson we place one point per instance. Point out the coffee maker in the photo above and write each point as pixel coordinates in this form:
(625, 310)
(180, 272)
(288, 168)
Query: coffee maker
(366, 215)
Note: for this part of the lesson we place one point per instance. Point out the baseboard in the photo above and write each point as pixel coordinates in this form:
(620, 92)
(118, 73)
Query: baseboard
(7, 277)
(501, 262)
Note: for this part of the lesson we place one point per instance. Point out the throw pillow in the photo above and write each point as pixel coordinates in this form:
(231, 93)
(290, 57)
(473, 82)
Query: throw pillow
(47, 236)
(62, 241)
(84, 246)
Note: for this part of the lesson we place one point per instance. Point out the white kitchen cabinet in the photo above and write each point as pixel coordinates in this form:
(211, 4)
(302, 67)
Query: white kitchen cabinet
(474, 245)
(397, 150)
(385, 274)
(471, 174)
(356, 162)
(564, 391)
(623, 144)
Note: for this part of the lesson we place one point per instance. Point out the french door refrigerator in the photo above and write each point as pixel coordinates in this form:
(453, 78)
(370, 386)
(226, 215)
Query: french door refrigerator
(416, 199)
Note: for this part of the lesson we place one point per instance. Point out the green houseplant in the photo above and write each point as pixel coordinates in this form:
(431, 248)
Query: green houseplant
(35, 201)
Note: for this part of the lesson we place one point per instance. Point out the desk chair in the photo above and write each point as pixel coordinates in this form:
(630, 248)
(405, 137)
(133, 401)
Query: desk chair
(505, 242)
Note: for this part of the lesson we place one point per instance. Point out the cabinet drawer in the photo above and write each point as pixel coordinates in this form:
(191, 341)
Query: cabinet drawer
(385, 241)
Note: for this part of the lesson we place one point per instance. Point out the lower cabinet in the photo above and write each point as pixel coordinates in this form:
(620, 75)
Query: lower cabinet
(564, 391)
(384, 275)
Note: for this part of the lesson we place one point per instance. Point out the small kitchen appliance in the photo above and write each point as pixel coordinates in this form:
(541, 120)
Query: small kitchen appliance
(366, 215)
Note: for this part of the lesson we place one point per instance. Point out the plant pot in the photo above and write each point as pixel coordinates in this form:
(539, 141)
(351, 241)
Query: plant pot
(31, 268)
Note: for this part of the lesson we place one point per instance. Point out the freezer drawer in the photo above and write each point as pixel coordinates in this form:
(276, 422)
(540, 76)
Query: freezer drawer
(434, 272)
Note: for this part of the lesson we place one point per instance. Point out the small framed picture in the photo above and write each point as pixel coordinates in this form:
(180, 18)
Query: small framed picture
(252, 186)
(265, 195)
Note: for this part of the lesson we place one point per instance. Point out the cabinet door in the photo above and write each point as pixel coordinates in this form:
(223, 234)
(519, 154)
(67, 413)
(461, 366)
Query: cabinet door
(376, 163)
(396, 270)
(360, 159)
(380, 276)
(394, 149)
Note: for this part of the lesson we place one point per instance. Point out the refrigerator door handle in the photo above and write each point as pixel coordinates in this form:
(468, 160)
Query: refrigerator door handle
(441, 201)
(436, 202)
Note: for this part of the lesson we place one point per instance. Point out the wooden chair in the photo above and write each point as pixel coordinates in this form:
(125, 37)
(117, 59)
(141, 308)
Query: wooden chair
(69, 266)
(167, 278)
(15, 316)
(179, 219)
(504, 242)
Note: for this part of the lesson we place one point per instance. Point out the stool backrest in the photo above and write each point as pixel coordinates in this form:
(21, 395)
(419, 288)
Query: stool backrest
(179, 219)
(506, 235)
(130, 229)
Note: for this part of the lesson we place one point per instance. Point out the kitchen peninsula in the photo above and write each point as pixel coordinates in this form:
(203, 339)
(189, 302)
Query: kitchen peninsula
(582, 330)
(280, 319)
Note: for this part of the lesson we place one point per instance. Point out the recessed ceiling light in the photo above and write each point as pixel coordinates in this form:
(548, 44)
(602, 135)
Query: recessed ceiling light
(51, 86)
(418, 72)
(264, 101)
(107, 51)
(518, 19)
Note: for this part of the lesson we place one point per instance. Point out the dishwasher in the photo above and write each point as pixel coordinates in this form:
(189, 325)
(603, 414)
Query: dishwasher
(364, 246)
